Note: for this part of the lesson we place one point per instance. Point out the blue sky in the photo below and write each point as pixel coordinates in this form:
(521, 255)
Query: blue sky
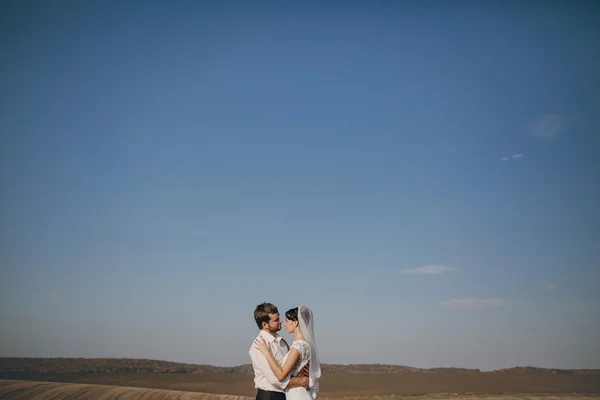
(425, 177)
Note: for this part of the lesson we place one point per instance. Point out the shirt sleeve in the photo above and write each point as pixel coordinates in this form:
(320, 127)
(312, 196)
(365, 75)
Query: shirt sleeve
(261, 366)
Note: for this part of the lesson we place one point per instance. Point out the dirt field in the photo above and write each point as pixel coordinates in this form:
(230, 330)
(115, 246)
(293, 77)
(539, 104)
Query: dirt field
(347, 385)
(31, 390)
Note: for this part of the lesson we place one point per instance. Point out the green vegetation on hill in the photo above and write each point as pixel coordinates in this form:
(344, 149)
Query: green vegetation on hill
(133, 365)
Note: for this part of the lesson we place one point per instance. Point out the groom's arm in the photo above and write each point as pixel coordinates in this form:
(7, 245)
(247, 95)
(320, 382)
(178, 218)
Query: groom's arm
(298, 381)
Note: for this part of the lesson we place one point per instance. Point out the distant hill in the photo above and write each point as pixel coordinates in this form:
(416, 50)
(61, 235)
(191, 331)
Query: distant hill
(537, 370)
(92, 365)
(134, 365)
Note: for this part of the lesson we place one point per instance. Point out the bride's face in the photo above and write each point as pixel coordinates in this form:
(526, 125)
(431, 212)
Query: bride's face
(290, 325)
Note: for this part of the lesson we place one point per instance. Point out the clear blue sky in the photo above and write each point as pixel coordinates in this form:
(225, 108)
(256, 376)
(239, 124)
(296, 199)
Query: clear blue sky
(425, 177)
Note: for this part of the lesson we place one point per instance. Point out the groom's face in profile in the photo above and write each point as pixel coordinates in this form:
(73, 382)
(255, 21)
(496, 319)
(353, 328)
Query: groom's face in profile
(274, 324)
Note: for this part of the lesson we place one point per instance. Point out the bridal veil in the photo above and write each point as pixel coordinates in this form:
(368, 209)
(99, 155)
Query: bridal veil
(305, 318)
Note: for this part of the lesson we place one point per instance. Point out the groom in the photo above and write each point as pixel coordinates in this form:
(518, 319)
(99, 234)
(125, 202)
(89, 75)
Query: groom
(268, 321)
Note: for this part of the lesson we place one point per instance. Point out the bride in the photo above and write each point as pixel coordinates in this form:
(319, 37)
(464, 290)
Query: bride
(299, 322)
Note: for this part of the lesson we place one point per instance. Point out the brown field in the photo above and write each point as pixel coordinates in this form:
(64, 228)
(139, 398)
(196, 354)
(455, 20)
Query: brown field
(349, 385)
(30, 390)
(34, 390)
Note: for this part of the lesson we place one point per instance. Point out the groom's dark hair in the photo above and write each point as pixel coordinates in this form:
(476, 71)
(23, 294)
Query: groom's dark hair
(262, 311)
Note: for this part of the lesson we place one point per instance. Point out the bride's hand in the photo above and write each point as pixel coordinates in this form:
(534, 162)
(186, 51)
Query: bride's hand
(262, 346)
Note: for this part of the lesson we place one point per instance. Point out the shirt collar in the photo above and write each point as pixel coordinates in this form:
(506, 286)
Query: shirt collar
(269, 338)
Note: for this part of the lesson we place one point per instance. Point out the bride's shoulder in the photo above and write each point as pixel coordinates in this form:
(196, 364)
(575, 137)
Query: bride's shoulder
(300, 343)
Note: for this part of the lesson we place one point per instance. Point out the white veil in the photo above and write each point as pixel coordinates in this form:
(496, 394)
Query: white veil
(305, 318)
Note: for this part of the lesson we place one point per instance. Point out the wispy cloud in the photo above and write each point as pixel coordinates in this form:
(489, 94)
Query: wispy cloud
(547, 126)
(475, 303)
(550, 288)
(515, 156)
(429, 270)
(579, 306)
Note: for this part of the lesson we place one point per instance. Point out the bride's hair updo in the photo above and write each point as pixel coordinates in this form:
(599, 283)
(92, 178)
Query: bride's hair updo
(292, 314)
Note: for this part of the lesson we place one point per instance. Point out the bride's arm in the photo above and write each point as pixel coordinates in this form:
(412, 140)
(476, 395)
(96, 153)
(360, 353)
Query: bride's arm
(280, 371)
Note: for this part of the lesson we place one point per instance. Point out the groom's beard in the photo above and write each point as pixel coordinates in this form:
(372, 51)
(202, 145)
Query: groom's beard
(273, 332)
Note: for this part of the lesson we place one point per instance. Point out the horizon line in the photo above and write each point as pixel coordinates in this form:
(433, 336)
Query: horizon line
(323, 363)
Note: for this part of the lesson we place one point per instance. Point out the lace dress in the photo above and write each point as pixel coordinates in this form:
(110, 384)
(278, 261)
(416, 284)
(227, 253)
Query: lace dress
(304, 349)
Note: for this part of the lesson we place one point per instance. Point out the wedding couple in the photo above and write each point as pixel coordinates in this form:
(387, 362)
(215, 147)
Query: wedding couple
(282, 372)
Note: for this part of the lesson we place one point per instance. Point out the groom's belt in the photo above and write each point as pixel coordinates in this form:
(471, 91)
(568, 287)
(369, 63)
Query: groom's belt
(269, 395)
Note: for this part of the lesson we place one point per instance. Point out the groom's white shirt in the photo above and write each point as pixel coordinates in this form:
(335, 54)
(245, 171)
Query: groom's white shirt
(264, 378)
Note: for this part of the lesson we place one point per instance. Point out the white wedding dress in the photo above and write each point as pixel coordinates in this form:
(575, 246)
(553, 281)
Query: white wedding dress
(299, 393)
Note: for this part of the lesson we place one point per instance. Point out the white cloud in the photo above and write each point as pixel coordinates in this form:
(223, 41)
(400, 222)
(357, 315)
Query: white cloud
(579, 306)
(475, 303)
(550, 288)
(547, 126)
(515, 156)
(430, 270)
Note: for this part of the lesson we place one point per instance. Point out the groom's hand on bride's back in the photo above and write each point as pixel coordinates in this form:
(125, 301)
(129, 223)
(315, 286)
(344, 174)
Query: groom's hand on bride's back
(304, 371)
(300, 380)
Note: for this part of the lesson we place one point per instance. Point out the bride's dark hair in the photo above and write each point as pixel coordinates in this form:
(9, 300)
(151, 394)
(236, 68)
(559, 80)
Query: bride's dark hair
(292, 314)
